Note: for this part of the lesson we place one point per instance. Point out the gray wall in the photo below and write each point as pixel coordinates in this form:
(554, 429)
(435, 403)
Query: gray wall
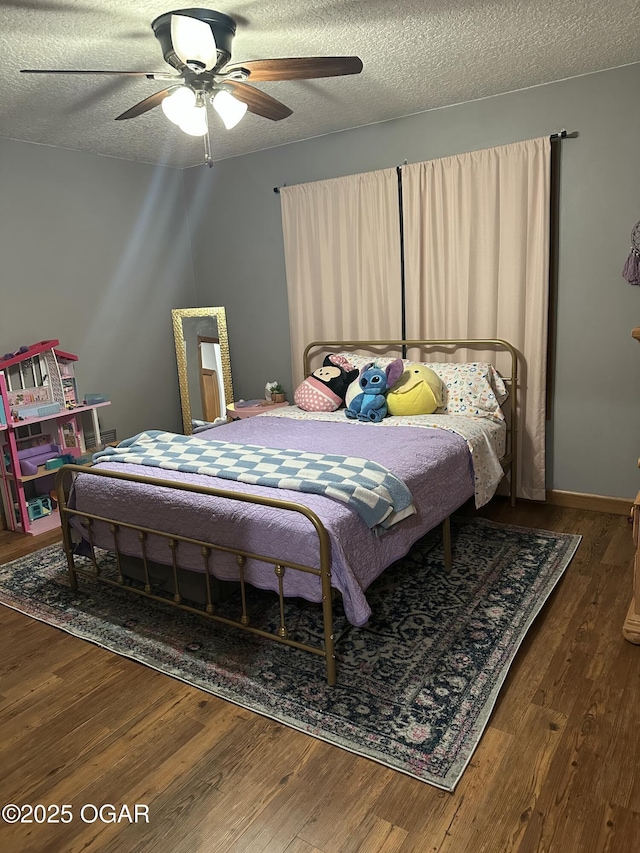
(95, 252)
(238, 254)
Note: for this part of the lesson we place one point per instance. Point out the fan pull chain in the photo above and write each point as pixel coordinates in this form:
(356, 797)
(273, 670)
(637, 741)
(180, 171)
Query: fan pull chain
(208, 157)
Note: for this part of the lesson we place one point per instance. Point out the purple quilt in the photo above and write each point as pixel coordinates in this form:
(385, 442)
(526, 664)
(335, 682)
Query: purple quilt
(435, 465)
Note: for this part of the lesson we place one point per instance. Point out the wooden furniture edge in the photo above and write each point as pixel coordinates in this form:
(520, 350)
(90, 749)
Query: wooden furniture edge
(631, 625)
(595, 503)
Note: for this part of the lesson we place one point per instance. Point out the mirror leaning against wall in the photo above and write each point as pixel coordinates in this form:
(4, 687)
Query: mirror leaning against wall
(204, 367)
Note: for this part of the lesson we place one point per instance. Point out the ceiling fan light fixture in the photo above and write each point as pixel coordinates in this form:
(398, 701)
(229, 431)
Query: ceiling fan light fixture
(179, 104)
(194, 122)
(221, 26)
(197, 44)
(230, 109)
(194, 43)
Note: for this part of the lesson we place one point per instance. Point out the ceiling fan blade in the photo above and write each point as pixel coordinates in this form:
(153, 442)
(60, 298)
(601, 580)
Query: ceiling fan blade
(150, 75)
(148, 104)
(258, 102)
(304, 68)
(193, 42)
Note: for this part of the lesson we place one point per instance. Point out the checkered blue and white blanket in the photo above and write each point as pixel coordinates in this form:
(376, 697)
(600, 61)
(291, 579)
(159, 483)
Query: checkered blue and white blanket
(372, 490)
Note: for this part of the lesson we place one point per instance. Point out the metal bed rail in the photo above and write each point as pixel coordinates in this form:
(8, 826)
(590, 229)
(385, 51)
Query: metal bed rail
(64, 481)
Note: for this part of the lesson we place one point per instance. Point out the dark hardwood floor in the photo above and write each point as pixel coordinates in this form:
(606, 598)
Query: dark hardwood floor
(558, 768)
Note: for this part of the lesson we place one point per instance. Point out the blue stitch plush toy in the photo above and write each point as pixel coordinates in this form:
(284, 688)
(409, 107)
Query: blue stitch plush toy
(371, 404)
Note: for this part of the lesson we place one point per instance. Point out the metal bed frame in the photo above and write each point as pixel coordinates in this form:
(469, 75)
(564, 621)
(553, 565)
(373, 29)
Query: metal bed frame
(208, 550)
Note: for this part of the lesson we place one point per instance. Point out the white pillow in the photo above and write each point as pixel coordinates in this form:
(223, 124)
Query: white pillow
(471, 388)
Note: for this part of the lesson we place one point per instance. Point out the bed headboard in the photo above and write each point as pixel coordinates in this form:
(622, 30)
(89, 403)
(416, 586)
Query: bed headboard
(502, 355)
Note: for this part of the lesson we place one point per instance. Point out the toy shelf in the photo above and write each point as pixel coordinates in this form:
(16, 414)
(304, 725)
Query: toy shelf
(42, 472)
(62, 415)
(44, 524)
(40, 374)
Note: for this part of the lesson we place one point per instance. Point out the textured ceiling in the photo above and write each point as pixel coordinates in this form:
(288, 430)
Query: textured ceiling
(416, 55)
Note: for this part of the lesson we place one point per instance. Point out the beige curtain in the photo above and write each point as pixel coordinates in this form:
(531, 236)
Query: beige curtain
(476, 234)
(342, 256)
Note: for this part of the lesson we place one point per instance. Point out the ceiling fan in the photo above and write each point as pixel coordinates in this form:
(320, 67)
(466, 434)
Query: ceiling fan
(197, 44)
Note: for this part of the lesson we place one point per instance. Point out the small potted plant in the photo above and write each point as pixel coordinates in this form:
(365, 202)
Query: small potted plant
(277, 393)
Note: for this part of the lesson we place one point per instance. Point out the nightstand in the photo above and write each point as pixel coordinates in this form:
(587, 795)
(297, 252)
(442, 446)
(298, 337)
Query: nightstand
(249, 411)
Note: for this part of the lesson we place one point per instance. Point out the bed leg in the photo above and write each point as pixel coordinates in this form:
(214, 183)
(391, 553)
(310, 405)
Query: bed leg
(327, 613)
(66, 537)
(73, 577)
(329, 653)
(331, 673)
(446, 543)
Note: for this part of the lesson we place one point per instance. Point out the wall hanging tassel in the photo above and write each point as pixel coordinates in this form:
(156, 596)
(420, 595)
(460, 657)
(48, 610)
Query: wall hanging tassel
(631, 271)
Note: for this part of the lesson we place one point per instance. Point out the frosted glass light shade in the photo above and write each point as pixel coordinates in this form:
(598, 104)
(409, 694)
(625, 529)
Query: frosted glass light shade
(193, 42)
(230, 109)
(179, 104)
(195, 121)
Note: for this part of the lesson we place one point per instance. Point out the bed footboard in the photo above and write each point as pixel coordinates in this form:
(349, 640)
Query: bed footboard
(64, 482)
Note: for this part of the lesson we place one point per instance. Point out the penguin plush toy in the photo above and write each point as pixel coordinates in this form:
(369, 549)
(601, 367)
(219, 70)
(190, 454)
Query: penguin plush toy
(419, 391)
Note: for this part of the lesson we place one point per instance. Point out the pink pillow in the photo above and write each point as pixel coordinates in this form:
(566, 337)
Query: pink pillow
(314, 396)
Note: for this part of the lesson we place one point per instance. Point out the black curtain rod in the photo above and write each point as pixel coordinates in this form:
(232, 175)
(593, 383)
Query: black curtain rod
(554, 137)
(403, 289)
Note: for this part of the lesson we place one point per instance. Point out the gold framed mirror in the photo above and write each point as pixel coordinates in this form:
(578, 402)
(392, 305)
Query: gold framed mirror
(204, 366)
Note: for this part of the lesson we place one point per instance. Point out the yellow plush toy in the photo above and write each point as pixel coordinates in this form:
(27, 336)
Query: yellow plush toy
(417, 392)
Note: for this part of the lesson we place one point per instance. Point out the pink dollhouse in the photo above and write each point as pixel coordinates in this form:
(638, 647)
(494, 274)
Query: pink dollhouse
(40, 429)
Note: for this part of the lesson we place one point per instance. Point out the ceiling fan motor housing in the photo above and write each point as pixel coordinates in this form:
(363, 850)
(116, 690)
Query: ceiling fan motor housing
(222, 26)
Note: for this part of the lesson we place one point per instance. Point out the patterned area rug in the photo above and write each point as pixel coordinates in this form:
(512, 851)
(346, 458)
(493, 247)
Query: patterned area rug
(416, 686)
